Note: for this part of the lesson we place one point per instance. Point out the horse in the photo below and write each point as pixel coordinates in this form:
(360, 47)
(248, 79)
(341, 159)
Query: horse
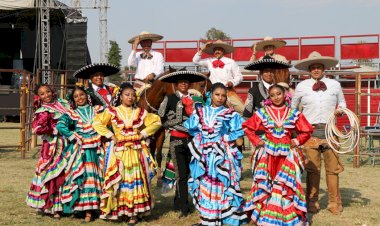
(151, 99)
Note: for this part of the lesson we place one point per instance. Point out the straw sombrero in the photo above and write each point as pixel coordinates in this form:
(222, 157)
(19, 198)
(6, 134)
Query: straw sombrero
(145, 35)
(190, 76)
(269, 41)
(283, 84)
(316, 58)
(267, 62)
(219, 43)
(86, 71)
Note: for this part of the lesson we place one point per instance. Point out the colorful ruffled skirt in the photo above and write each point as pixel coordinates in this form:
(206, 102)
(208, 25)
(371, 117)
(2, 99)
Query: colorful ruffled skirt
(276, 196)
(45, 191)
(129, 169)
(214, 184)
(84, 177)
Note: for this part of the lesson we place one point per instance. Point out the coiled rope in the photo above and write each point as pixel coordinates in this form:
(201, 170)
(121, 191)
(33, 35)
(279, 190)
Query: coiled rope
(343, 142)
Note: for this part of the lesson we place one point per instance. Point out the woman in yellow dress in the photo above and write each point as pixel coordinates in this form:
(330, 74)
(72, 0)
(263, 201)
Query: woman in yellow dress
(129, 166)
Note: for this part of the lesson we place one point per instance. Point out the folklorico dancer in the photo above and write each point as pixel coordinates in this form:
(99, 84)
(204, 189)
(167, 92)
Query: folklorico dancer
(276, 196)
(149, 63)
(84, 177)
(129, 166)
(222, 69)
(101, 93)
(215, 167)
(45, 190)
(320, 97)
(174, 110)
(258, 93)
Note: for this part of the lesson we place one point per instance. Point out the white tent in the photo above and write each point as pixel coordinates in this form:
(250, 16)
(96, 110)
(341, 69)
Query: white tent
(16, 4)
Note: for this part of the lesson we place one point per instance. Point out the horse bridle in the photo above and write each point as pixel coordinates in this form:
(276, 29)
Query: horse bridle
(147, 102)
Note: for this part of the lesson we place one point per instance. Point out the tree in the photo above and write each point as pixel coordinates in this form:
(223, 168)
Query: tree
(215, 34)
(114, 57)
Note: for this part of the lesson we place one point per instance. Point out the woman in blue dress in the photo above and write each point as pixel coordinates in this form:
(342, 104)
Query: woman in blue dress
(215, 167)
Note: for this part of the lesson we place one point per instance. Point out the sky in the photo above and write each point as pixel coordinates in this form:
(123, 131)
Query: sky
(190, 20)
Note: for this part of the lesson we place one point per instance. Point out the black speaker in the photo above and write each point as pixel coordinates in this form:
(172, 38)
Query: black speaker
(77, 54)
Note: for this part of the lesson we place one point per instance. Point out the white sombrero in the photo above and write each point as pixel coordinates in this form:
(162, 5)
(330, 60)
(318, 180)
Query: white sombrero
(105, 68)
(316, 58)
(146, 36)
(190, 76)
(269, 41)
(219, 43)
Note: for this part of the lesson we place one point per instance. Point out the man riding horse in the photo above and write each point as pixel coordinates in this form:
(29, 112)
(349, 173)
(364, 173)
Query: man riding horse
(149, 63)
(222, 69)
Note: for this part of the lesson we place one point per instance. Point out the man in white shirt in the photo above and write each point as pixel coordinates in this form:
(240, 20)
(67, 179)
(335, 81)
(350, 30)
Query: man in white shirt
(320, 97)
(149, 63)
(222, 69)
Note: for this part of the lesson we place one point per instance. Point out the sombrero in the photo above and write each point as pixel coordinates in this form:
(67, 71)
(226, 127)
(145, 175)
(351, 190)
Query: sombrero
(267, 62)
(283, 84)
(269, 41)
(86, 71)
(190, 76)
(316, 58)
(145, 35)
(219, 43)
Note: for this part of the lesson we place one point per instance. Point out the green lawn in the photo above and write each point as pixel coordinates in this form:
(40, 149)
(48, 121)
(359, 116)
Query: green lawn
(359, 188)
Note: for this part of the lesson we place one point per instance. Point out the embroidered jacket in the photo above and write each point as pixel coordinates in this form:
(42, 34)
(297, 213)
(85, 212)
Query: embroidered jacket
(172, 111)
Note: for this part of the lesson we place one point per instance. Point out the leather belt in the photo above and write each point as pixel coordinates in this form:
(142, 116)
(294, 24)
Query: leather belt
(319, 126)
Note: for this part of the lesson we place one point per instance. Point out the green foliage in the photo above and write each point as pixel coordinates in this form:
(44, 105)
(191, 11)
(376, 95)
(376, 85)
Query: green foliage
(114, 56)
(215, 34)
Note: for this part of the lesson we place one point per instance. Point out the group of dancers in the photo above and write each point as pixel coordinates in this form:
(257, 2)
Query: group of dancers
(95, 158)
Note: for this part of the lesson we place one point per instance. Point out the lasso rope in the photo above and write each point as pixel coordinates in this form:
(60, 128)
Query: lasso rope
(343, 142)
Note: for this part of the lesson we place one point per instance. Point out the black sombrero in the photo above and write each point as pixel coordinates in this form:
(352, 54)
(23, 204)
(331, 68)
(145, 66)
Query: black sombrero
(267, 62)
(86, 71)
(190, 76)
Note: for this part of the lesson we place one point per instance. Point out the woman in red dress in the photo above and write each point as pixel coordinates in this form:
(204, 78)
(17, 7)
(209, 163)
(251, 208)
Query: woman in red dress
(276, 196)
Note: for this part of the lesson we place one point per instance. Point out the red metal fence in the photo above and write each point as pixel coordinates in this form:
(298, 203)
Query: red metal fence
(348, 47)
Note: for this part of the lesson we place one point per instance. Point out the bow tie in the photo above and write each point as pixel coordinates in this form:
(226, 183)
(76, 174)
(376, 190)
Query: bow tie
(188, 102)
(104, 93)
(319, 86)
(218, 63)
(146, 56)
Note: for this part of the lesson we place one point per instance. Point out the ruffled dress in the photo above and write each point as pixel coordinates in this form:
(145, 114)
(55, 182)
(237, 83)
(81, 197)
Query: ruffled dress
(215, 167)
(82, 188)
(129, 166)
(276, 196)
(45, 190)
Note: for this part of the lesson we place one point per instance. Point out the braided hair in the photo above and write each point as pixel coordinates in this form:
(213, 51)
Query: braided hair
(125, 85)
(90, 99)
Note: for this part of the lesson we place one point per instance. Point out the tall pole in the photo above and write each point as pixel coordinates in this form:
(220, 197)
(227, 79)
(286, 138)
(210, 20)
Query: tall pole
(103, 4)
(45, 40)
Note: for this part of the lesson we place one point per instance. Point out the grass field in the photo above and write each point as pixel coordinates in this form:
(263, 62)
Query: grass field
(359, 188)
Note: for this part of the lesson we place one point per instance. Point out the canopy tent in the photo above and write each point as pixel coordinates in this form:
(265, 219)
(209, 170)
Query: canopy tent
(16, 4)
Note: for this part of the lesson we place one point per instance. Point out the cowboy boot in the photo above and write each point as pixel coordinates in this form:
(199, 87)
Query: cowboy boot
(339, 199)
(312, 191)
(333, 194)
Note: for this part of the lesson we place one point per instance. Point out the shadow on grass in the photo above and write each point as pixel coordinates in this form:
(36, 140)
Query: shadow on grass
(350, 197)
